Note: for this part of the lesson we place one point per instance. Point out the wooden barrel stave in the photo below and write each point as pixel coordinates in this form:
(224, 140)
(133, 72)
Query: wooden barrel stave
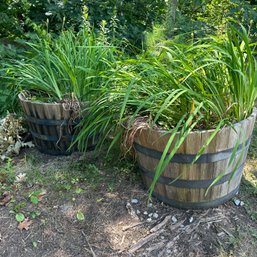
(48, 137)
(215, 160)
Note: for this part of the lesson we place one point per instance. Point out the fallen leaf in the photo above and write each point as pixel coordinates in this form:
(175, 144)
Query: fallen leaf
(29, 144)
(5, 198)
(41, 195)
(25, 224)
(20, 177)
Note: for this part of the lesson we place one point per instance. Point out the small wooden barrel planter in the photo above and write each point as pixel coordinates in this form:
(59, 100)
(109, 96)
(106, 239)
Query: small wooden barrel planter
(192, 180)
(51, 126)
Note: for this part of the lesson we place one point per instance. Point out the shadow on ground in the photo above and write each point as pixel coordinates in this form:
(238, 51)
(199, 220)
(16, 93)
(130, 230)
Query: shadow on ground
(111, 224)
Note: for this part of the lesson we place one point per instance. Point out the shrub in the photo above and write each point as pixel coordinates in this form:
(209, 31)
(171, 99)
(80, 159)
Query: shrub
(201, 85)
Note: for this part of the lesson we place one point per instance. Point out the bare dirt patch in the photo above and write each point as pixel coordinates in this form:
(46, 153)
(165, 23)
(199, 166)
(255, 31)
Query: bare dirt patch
(116, 218)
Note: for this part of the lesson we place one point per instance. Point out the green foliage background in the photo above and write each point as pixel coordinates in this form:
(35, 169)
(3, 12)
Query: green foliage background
(125, 19)
(198, 18)
(12, 17)
(126, 22)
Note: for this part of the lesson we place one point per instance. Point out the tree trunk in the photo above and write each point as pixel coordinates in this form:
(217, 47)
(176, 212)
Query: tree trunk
(171, 15)
(173, 9)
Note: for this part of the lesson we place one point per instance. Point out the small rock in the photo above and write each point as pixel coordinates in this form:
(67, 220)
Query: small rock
(221, 234)
(150, 205)
(134, 201)
(155, 215)
(168, 251)
(242, 203)
(174, 219)
(149, 220)
(29, 185)
(191, 219)
(150, 215)
(162, 237)
(138, 212)
(66, 207)
(145, 213)
(131, 211)
(237, 202)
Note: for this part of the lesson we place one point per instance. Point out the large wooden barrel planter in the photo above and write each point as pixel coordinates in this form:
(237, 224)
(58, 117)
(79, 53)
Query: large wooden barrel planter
(52, 127)
(192, 180)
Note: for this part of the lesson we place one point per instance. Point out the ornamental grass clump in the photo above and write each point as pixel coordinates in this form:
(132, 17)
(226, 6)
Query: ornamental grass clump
(58, 77)
(71, 63)
(200, 85)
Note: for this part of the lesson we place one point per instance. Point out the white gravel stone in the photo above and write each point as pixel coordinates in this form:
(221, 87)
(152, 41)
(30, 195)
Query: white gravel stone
(66, 207)
(134, 201)
(145, 213)
(191, 219)
(138, 212)
(150, 215)
(237, 202)
(149, 220)
(221, 234)
(150, 205)
(155, 215)
(242, 203)
(174, 219)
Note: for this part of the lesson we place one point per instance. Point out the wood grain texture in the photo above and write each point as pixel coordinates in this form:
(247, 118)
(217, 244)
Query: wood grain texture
(225, 140)
(49, 111)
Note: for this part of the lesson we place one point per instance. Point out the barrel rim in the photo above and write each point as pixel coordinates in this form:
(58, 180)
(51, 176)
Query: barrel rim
(23, 99)
(163, 132)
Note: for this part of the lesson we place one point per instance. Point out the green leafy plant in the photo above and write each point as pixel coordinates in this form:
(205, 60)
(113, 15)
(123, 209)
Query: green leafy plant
(124, 19)
(20, 217)
(198, 18)
(35, 244)
(7, 177)
(179, 88)
(69, 64)
(34, 199)
(12, 17)
(10, 52)
(80, 216)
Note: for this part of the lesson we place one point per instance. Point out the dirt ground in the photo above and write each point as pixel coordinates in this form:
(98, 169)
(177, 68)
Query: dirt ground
(88, 205)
